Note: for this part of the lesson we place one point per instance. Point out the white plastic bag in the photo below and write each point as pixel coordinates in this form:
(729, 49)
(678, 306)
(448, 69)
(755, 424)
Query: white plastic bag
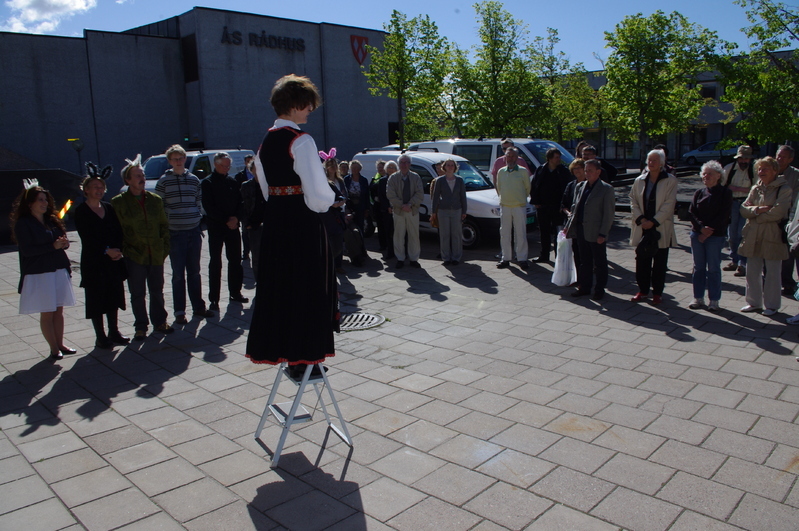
(565, 273)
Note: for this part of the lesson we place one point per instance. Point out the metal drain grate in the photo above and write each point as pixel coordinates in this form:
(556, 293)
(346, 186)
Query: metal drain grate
(360, 321)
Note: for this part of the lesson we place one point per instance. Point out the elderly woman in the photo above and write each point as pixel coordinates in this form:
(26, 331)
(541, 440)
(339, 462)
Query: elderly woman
(102, 269)
(709, 212)
(762, 236)
(449, 209)
(357, 194)
(577, 169)
(44, 285)
(652, 201)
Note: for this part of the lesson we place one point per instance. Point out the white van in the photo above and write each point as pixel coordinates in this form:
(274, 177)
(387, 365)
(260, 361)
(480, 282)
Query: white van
(482, 211)
(483, 152)
(200, 163)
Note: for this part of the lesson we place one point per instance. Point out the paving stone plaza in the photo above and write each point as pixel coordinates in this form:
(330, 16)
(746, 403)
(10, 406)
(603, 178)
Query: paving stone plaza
(488, 400)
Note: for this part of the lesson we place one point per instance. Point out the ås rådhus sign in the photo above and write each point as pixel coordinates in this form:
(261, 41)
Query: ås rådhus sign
(262, 40)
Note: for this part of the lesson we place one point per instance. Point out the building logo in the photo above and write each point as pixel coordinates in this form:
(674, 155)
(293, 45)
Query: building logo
(358, 45)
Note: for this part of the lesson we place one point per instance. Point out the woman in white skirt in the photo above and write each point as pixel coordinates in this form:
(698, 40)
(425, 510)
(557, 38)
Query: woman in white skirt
(44, 286)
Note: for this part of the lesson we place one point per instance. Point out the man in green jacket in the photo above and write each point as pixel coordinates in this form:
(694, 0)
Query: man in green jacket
(145, 245)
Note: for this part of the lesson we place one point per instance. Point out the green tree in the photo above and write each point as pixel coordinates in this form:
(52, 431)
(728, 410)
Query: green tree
(570, 100)
(763, 85)
(650, 74)
(410, 68)
(497, 93)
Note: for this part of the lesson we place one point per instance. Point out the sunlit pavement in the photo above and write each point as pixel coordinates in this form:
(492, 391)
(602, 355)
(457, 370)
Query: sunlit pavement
(489, 399)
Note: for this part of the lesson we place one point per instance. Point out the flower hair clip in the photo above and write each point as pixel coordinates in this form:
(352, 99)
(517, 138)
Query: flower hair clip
(327, 156)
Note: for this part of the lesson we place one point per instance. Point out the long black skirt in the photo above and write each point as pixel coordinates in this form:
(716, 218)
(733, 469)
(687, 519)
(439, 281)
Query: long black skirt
(295, 311)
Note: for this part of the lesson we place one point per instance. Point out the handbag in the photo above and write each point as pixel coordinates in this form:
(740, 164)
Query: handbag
(565, 272)
(648, 246)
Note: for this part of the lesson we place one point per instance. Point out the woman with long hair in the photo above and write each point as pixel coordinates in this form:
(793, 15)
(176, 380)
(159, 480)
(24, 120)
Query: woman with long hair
(45, 286)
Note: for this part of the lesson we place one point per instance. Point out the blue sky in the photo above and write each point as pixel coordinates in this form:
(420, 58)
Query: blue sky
(581, 24)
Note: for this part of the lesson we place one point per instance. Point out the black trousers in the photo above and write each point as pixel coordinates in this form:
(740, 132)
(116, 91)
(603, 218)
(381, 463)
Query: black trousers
(549, 217)
(593, 263)
(231, 239)
(651, 272)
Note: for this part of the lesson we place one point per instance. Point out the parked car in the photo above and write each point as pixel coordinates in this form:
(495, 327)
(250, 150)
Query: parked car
(200, 163)
(707, 152)
(483, 152)
(482, 217)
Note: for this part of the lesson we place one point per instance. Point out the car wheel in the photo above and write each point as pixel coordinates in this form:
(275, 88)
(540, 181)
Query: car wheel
(691, 161)
(471, 234)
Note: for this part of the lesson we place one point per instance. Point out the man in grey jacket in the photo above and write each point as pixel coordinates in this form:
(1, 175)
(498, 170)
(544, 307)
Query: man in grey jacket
(405, 193)
(592, 217)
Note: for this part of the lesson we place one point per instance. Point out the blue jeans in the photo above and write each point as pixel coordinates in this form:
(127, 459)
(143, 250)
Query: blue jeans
(185, 247)
(737, 222)
(707, 266)
(141, 279)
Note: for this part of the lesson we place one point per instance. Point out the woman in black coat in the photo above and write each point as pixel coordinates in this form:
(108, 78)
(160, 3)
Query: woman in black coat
(101, 265)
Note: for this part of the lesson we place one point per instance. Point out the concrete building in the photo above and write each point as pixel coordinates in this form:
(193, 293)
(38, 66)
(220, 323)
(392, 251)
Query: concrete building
(201, 79)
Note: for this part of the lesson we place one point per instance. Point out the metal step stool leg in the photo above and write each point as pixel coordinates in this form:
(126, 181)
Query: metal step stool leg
(290, 418)
(270, 400)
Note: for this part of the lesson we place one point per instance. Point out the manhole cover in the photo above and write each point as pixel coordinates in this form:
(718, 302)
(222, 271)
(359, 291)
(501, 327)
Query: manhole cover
(360, 321)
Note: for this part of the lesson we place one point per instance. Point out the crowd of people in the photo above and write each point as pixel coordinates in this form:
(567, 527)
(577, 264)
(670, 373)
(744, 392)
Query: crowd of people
(287, 203)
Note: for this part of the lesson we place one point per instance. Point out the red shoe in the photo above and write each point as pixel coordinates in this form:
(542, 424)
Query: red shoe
(639, 297)
(656, 299)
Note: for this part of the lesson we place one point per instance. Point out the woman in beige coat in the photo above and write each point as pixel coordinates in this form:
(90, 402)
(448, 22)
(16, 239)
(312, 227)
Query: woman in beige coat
(762, 237)
(653, 198)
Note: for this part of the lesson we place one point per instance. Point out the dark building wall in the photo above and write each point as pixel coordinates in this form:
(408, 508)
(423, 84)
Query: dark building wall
(45, 99)
(188, 76)
(139, 96)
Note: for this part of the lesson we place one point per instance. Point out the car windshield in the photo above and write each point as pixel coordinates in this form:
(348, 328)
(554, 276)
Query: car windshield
(539, 150)
(472, 177)
(156, 166)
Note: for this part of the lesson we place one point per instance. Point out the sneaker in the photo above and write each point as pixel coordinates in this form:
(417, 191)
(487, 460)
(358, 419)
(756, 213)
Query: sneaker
(164, 329)
(750, 309)
(639, 297)
(713, 306)
(696, 304)
(740, 271)
(793, 320)
(768, 312)
(140, 335)
(181, 320)
(732, 266)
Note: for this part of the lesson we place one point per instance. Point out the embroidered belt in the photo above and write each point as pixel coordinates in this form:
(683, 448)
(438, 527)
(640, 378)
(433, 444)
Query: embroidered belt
(285, 190)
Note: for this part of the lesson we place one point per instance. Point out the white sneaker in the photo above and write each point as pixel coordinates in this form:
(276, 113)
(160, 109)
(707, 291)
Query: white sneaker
(769, 312)
(793, 320)
(696, 304)
(713, 306)
(749, 309)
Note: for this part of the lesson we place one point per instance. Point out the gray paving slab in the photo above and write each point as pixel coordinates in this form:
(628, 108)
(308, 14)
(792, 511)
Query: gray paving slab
(489, 400)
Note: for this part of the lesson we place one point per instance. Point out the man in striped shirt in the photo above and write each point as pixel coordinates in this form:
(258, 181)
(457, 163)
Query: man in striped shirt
(180, 190)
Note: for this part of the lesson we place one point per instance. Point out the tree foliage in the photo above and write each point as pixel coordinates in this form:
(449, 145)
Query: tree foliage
(763, 85)
(410, 68)
(570, 100)
(650, 71)
(497, 93)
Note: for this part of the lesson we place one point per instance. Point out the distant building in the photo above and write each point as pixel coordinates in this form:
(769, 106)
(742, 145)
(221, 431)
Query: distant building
(201, 79)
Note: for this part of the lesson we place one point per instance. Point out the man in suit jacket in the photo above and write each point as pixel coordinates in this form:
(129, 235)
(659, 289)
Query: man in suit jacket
(592, 217)
(405, 192)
